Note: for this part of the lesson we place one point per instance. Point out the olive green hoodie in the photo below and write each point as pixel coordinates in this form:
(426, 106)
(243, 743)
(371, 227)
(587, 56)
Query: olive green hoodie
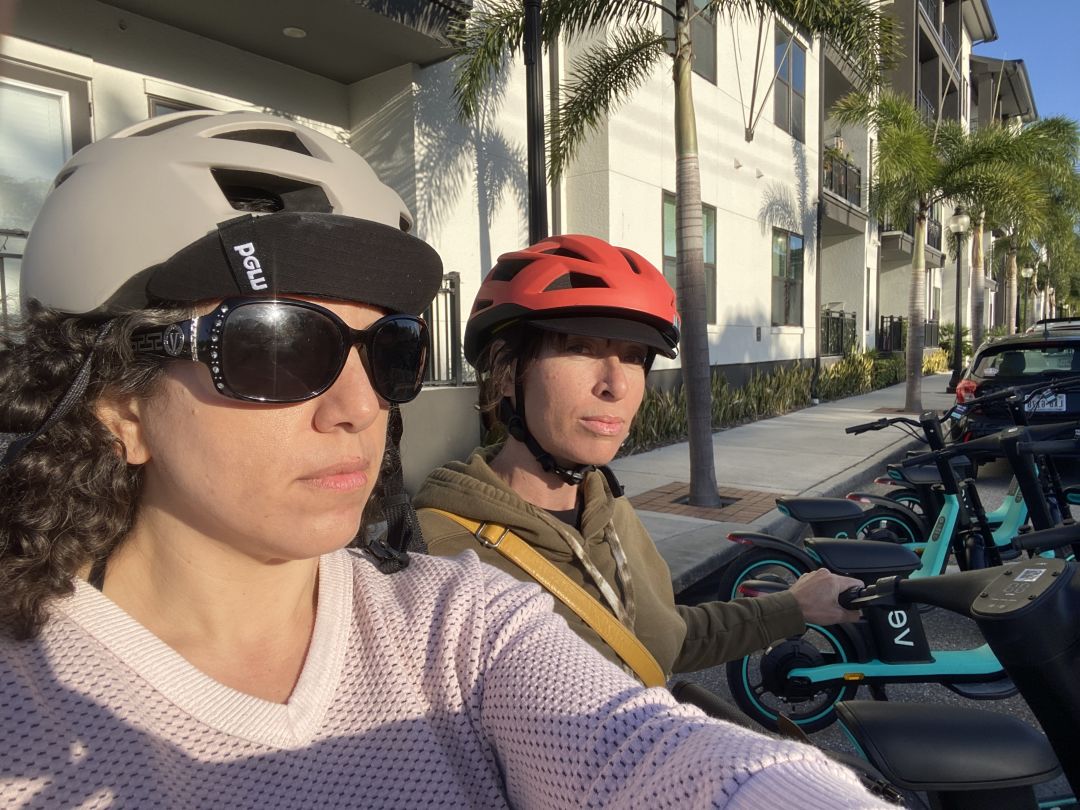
(681, 638)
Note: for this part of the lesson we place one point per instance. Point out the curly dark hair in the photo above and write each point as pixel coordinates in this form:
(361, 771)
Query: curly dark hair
(70, 497)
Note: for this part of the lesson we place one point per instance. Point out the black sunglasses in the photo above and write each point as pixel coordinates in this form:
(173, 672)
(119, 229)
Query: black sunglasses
(284, 350)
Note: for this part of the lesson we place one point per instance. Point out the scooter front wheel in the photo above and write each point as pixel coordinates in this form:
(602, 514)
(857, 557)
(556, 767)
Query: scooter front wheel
(761, 687)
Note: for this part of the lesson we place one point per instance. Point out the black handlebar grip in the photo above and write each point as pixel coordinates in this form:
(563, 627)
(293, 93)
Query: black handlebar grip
(847, 598)
(1049, 448)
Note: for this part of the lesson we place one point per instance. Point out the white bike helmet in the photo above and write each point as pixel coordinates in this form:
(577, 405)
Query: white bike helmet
(150, 214)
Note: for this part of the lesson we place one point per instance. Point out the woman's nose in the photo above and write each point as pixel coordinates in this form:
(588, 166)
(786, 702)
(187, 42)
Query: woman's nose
(351, 402)
(613, 382)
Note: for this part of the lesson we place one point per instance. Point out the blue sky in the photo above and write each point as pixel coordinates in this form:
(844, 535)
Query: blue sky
(1044, 34)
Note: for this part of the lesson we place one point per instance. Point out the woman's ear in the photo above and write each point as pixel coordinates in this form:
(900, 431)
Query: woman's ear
(122, 416)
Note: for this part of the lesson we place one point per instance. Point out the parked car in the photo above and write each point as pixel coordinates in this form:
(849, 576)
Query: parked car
(1019, 360)
(1045, 324)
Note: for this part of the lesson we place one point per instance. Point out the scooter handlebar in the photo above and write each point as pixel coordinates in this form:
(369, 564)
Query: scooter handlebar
(1055, 447)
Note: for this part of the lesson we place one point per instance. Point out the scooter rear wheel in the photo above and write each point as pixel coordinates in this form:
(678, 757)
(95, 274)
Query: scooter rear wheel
(758, 563)
(761, 688)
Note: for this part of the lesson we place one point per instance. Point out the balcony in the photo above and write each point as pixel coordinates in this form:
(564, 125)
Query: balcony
(843, 179)
(444, 366)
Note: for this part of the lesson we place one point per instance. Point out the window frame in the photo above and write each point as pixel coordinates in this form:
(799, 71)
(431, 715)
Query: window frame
(669, 260)
(784, 91)
(703, 29)
(793, 310)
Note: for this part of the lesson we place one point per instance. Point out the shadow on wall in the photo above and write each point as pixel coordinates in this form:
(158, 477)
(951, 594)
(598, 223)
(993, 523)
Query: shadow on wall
(791, 210)
(451, 153)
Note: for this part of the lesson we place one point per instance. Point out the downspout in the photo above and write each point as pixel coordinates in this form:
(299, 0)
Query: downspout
(818, 269)
(554, 101)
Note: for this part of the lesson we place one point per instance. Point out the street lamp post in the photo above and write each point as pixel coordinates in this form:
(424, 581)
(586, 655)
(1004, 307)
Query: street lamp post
(958, 224)
(1026, 273)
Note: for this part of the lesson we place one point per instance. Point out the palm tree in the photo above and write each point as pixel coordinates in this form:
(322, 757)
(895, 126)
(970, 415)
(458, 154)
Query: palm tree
(922, 163)
(631, 46)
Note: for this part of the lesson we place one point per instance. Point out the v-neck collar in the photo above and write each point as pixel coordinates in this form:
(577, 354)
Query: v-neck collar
(289, 725)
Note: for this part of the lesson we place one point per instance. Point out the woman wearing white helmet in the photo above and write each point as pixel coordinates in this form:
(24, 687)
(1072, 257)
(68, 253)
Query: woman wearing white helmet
(190, 444)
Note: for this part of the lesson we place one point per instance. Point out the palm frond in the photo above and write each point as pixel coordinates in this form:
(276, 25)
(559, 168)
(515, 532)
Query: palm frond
(864, 36)
(485, 42)
(599, 81)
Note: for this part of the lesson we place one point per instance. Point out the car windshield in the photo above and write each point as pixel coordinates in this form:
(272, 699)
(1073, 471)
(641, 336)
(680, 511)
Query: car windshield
(1027, 361)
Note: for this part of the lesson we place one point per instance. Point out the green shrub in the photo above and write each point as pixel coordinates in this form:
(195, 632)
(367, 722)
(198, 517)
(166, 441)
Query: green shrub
(935, 362)
(662, 417)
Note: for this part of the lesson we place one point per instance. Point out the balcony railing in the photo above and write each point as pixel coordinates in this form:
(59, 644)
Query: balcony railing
(838, 332)
(949, 41)
(444, 334)
(927, 108)
(931, 7)
(843, 178)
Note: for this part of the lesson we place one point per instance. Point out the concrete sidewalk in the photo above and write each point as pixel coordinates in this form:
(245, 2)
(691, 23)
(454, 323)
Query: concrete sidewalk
(801, 453)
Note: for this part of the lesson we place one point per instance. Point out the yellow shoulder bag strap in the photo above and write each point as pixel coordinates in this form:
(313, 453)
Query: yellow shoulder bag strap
(611, 630)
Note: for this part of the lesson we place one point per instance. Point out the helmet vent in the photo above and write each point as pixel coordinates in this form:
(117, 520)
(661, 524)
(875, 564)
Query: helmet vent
(482, 304)
(506, 270)
(572, 281)
(630, 261)
(566, 253)
(60, 178)
(153, 129)
(266, 193)
(277, 138)
(404, 225)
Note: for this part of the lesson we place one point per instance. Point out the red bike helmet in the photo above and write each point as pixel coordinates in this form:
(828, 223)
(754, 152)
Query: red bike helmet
(579, 285)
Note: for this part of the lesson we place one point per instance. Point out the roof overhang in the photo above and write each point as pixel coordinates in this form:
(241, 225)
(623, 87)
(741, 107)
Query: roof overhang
(979, 21)
(342, 40)
(1015, 96)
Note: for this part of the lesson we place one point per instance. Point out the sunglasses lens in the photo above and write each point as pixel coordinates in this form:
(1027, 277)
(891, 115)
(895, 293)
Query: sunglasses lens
(398, 357)
(280, 353)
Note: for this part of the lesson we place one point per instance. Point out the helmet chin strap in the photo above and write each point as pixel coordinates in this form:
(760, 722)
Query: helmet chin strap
(514, 419)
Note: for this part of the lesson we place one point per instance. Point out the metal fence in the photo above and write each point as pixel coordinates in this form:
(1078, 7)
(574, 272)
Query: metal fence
(839, 334)
(931, 334)
(443, 318)
(892, 333)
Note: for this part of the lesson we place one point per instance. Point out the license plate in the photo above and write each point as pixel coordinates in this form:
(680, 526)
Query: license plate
(1046, 403)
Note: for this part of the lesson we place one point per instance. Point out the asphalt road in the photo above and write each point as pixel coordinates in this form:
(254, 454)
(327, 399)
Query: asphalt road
(944, 631)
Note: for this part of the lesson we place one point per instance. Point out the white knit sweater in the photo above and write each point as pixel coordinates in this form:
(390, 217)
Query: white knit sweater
(447, 685)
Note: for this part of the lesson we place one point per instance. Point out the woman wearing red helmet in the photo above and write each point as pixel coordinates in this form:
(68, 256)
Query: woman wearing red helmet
(563, 334)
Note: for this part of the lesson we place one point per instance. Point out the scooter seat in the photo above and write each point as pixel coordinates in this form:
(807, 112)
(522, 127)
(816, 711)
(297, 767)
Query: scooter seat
(925, 474)
(945, 748)
(812, 510)
(864, 559)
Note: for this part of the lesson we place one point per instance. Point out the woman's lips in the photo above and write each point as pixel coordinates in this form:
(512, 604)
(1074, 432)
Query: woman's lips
(604, 425)
(343, 477)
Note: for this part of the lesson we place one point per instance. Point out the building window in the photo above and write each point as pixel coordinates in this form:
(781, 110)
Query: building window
(46, 118)
(708, 227)
(787, 278)
(703, 35)
(789, 93)
(158, 105)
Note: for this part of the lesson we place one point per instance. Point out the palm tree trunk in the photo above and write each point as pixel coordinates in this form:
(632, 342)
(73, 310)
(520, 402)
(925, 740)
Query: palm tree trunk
(1010, 288)
(696, 371)
(978, 284)
(916, 314)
